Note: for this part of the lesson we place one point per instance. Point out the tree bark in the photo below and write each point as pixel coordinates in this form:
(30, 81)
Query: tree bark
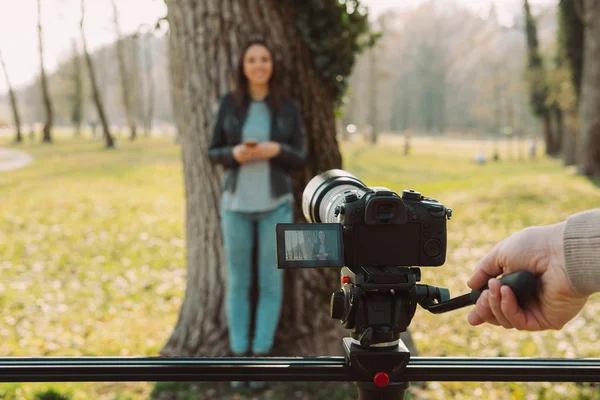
(47, 135)
(13, 103)
(127, 79)
(206, 38)
(110, 142)
(588, 154)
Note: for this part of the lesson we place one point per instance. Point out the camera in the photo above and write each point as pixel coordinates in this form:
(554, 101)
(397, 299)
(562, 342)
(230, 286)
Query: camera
(354, 225)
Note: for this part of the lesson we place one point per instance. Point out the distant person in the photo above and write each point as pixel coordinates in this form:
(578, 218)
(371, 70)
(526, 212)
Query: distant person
(93, 126)
(406, 143)
(480, 158)
(532, 148)
(258, 138)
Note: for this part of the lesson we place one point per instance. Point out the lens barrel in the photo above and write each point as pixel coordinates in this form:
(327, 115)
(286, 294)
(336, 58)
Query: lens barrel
(325, 192)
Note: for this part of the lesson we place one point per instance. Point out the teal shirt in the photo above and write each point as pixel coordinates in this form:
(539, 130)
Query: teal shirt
(253, 189)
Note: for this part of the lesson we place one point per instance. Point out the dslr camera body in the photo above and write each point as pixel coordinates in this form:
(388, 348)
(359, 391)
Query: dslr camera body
(367, 227)
(380, 228)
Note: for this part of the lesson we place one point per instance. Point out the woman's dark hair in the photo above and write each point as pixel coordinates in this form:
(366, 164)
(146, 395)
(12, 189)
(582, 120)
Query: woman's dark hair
(241, 94)
(319, 234)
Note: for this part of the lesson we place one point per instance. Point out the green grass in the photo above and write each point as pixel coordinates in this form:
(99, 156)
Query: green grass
(93, 251)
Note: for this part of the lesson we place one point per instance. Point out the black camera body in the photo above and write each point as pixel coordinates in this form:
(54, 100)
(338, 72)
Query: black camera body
(381, 228)
(353, 225)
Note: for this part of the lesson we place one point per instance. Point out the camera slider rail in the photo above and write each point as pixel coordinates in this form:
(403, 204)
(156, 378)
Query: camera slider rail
(155, 369)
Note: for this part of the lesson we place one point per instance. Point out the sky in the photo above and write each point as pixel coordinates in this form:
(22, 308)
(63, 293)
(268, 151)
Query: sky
(60, 22)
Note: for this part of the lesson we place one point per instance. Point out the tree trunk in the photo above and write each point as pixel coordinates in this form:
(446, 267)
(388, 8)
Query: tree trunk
(47, 136)
(77, 97)
(588, 154)
(127, 79)
(557, 131)
(373, 95)
(148, 62)
(206, 38)
(547, 131)
(13, 103)
(110, 142)
(569, 142)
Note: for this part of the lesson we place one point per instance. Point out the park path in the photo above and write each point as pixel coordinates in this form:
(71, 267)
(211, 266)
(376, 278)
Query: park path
(13, 159)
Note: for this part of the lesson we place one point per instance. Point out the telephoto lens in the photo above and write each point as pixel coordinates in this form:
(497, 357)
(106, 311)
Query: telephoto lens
(325, 192)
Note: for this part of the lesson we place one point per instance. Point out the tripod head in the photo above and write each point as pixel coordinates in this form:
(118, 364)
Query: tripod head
(378, 303)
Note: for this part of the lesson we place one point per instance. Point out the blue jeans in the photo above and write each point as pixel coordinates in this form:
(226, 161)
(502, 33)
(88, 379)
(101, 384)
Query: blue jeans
(238, 237)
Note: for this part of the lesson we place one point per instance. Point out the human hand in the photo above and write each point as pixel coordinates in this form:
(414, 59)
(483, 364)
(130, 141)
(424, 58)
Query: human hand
(242, 153)
(539, 250)
(266, 150)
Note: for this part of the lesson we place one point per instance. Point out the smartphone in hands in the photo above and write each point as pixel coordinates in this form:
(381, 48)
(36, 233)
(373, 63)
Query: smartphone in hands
(251, 143)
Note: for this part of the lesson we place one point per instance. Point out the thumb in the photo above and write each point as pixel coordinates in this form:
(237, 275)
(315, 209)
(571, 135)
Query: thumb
(487, 268)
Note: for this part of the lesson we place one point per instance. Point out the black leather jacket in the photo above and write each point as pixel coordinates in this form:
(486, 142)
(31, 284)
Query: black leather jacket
(286, 128)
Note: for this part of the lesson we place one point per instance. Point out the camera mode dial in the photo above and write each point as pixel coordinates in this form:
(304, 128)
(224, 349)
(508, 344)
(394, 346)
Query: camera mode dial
(411, 195)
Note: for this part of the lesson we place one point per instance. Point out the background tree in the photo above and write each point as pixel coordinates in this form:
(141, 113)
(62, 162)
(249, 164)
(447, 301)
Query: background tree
(571, 31)
(110, 142)
(445, 69)
(127, 79)
(149, 85)
(76, 98)
(567, 76)
(47, 132)
(538, 84)
(588, 160)
(13, 102)
(315, 42)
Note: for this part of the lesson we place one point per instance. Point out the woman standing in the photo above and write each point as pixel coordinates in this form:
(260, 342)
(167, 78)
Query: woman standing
(257, 138)
(320, 250)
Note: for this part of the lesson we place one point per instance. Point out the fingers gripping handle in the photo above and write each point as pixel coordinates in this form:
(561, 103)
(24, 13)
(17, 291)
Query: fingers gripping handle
(522, 283)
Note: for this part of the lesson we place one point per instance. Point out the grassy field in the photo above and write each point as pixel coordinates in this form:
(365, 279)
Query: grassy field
(92, 255)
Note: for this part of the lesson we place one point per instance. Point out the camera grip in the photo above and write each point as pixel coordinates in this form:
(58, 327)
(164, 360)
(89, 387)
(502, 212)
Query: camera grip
(523, 284)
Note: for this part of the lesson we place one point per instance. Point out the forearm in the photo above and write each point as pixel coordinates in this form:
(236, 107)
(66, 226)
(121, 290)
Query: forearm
(582, 251)
(223, 156)
(289, 157)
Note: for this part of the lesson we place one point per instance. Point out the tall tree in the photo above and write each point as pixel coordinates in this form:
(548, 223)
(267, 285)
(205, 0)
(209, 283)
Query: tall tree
(373, 85)
(47, 135)
(538, 84)
(76, 97)
(110, 142)
(315, 42)
(149, 85)
(127, 79)
(13, 102)
(570, 56)
(588, 159)
(571, 38)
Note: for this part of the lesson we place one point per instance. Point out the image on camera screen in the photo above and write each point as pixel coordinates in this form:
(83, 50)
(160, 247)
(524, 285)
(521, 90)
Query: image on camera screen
(309, 245)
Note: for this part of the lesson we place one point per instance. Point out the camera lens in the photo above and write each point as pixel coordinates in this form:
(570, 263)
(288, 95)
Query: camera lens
(325, 192)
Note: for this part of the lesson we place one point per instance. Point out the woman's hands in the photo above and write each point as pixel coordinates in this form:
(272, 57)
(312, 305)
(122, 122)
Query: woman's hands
(243, 153)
